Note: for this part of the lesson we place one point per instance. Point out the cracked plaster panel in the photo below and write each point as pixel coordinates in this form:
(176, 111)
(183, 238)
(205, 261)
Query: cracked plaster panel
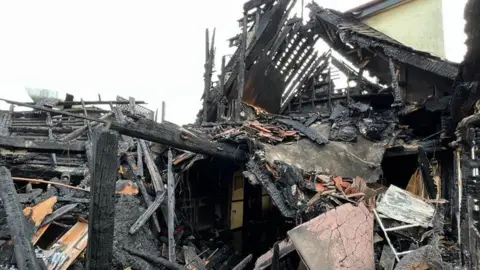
(361, 158)
(342, 238)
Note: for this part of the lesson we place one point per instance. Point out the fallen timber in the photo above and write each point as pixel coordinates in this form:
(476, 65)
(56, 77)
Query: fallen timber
(178, 138)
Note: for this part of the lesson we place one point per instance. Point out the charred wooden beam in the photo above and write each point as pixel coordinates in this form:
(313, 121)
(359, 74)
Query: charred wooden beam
(171, 209)
(59, 213)
(177, 137)
(44, 145)
(157, 260)
(101, 220)
(23, 249)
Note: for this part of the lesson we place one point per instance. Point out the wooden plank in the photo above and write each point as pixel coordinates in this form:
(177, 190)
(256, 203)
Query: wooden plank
(171, 209)
(44, 145)
(401, 205)
(102, 201)
(67, 249)
(22, 246)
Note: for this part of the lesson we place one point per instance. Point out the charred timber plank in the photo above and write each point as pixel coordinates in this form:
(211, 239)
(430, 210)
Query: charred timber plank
(138, 169)
(152, 168)
(171, 209)
(154, 174)
(102, 202)
(158, 260)
(310, 133)
(59, 213)
(9, 142)
(242, 264)
(23, 249)
(178, 137)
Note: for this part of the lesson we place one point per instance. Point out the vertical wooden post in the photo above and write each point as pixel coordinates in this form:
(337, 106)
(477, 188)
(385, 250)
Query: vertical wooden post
(101, 219)
(207, 76)
(163, 111)
(241, 69)
(86, 121)
(171, 210)
(22, 246)
(50, 136)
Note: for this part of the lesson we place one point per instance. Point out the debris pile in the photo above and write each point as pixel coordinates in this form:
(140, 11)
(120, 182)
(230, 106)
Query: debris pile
(283, 168)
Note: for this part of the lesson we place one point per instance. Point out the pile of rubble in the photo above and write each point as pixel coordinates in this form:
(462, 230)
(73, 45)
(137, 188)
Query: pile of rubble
(282, 169)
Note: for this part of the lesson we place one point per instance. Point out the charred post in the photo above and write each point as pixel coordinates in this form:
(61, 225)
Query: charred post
(23, 249)
(241, 70)
(87, 123)
(209, 58)
(102, 202)
(164, 107)
(171, 210)
(398, 101)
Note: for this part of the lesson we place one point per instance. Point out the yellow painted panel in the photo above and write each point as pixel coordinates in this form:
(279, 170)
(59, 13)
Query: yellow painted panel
(417, 23)
(236, 215)
(237, 187)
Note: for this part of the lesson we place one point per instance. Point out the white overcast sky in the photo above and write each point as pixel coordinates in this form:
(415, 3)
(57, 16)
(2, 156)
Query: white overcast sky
(151, 50)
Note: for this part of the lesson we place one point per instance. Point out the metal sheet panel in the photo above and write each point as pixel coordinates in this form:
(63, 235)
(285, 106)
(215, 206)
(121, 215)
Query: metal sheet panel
(401, 205)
